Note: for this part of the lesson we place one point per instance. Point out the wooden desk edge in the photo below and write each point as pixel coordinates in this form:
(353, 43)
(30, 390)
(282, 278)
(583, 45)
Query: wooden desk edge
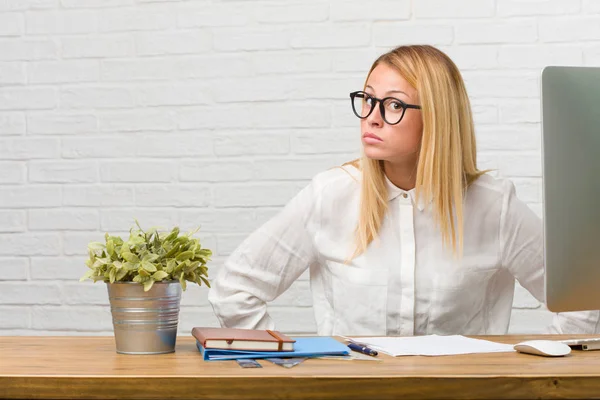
(484, 387)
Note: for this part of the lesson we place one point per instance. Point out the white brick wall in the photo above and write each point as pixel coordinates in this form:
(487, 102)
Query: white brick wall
(215, 113)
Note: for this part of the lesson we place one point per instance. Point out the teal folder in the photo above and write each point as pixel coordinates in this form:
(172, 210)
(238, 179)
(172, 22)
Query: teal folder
(304, 347)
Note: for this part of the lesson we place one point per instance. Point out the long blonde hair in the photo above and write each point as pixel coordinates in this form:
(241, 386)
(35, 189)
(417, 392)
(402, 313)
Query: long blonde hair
(447, 156)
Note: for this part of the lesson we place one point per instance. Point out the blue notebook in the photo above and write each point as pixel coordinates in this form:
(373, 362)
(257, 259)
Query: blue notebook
(304, 347)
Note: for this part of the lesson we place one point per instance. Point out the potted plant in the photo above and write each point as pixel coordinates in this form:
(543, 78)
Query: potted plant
(144, 276)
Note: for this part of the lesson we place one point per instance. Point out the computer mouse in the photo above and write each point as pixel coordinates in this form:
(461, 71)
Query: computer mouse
(549, 348)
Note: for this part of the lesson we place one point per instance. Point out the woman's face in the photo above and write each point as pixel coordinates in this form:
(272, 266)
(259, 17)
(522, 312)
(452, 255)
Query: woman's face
(394, 143)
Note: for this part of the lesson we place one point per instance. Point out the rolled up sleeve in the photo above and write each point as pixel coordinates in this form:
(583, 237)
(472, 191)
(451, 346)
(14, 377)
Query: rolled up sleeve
(266, 264)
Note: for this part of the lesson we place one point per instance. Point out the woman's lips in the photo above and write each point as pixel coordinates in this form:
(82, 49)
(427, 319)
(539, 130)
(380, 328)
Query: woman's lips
(371, 138)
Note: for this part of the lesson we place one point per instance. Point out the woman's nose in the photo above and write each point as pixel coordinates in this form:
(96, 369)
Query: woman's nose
(375, 118)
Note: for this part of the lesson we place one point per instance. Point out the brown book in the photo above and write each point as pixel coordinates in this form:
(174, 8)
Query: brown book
(242, 339)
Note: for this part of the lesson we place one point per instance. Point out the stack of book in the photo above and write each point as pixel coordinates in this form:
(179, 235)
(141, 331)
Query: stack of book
(232, 344)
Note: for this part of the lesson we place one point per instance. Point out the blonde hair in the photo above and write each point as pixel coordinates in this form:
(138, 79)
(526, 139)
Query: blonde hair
(447, 156)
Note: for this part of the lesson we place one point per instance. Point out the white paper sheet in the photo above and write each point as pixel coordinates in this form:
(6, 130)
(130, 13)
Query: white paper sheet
(432, 345)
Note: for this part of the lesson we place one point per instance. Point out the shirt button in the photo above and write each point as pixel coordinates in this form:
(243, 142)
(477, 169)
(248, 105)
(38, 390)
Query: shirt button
(404, 195)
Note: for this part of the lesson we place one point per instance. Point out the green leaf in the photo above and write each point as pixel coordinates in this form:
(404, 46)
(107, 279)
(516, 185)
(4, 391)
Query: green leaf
(117, 239)
(110, 248)
(130, 266)
(172, 235)
(137, 278)
(171, 264)
(87, 275)
(112, 275)
(191, 266)
(95, 246)
(182, 282)
(130, 257)
(136, 240)
(124, 248)
(178, 269)
(138, 224)
(121, 274)
(148, 266)
(150, 257)
(173, 251)
(148, 284)
(186, 255)
(159, 275)
(183, 240)
(104, 261)
(205, 252)
(205, 281)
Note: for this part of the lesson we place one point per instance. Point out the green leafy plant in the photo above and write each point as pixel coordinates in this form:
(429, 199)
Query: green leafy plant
(148, 257)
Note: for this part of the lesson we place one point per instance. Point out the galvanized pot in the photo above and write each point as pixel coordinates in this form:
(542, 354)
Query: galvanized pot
(145, 322)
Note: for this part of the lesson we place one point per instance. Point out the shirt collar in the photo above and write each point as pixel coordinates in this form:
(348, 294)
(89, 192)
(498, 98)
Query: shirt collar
(394, 191)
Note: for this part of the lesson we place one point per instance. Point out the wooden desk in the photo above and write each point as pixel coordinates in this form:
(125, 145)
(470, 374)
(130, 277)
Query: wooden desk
(89, 368)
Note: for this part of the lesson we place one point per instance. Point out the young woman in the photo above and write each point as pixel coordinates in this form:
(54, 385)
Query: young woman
(410, 239)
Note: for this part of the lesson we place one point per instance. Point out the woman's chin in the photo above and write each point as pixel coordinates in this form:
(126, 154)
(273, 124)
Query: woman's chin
(373, 153)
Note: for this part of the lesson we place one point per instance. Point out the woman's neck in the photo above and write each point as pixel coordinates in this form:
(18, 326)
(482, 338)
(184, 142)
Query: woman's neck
(402, 175)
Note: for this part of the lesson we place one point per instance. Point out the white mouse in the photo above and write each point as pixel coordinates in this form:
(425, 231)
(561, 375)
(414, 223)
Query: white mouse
(550, 348)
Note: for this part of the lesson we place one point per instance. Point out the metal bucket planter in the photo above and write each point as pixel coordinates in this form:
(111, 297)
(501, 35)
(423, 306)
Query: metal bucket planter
(145, 322)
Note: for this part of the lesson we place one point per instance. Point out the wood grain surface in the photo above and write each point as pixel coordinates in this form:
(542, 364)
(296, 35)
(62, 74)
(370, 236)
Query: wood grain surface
(89, 368)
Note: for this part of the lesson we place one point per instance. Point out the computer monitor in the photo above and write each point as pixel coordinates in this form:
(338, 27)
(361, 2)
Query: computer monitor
(570, 102)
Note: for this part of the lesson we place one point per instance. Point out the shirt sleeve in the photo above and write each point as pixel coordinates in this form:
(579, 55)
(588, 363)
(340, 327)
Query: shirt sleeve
(266, 264)
(522, 252)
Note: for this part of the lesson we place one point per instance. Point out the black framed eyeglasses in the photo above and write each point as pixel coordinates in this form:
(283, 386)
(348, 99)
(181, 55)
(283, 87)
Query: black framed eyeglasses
(392, 109)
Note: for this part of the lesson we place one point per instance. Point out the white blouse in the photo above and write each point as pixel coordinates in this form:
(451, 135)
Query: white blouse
(406, 283)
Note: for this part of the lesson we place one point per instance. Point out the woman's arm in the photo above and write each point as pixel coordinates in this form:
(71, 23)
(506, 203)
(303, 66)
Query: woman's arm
(266, 264)
(522, 252)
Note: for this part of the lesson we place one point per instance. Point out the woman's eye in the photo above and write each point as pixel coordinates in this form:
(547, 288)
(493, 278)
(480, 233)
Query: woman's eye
(394, 105)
